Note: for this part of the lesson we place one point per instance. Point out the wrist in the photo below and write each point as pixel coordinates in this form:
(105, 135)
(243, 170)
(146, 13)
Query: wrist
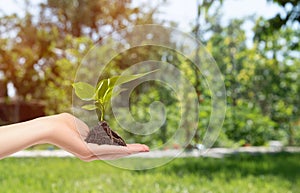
(54, 126)
(44, 129)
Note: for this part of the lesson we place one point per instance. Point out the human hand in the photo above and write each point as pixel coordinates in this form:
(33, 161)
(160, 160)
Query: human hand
(63, 130)
(70, 132)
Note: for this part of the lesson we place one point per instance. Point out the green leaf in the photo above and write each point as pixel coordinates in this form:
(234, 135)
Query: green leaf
(105, 86)
(102, 88)
(117, 80)
(84, 91)
(89, 107)
(107, 95)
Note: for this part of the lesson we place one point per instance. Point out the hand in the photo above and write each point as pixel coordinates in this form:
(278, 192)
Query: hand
(65, 131)
(71, 138)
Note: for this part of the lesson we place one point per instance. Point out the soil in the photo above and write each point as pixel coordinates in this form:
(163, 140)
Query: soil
(102, 134)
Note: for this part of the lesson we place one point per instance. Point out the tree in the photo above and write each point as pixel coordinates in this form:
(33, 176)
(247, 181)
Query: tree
(276, 79)
(278, 42)
(206, 21)
(245, 122)
(292, 14)
(95, 19)
(41, 54)
(290, 18)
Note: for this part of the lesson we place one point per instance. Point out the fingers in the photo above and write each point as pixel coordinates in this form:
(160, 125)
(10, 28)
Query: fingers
(113, 149)
(111, 152)
(110, 156)
(105, 157)
(138, 147)
(106, 149)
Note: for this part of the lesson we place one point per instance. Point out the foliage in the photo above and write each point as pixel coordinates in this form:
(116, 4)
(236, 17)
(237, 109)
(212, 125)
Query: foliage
(103, 92)
(235, 173)
(290, 17)
(276, 79)
(261, 82)
(40, 52)
(94, 19)
(249, 126)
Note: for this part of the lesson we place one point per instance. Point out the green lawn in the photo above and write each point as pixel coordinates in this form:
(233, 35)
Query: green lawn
(237, 173)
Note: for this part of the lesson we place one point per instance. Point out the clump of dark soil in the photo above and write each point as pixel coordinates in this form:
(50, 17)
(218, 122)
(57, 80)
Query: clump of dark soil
(102, 134)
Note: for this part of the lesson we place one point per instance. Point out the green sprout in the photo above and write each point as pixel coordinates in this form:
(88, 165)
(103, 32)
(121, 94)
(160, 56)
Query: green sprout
(101, 95)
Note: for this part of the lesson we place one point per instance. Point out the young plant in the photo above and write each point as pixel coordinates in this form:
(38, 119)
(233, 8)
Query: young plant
(101, 95)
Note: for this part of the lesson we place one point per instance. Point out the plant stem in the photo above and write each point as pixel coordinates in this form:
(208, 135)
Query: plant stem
(99, 114)
(102, 112)
(102, 116)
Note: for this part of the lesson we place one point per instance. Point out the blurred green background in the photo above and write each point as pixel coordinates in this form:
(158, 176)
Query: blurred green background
(236, 173)
(42, 45)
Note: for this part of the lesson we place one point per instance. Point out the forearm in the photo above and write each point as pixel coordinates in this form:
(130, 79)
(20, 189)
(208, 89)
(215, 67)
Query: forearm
(19, 136)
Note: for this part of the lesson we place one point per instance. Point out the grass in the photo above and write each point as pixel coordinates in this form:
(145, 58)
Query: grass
(237, 173)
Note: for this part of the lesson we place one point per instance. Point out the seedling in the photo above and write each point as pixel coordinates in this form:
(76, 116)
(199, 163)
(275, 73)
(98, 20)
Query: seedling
(100, 97)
